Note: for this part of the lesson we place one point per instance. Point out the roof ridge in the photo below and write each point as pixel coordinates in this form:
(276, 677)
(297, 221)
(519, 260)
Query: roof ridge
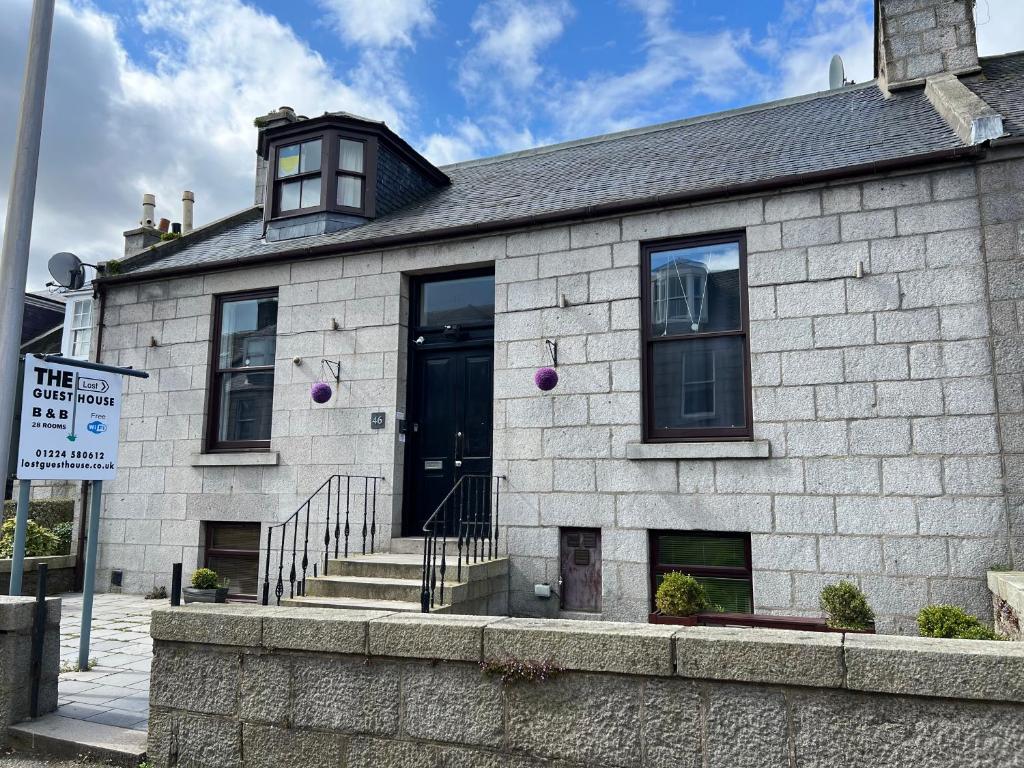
(210, 228)
(642, 130)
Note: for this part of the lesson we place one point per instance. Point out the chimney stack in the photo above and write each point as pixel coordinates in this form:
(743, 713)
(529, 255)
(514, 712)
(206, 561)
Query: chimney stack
(188, 200)
(917, 39)
(146, 234)
(278, 117)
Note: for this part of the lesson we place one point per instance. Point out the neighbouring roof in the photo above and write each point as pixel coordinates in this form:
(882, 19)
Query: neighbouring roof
(853, 128)
(42, 314)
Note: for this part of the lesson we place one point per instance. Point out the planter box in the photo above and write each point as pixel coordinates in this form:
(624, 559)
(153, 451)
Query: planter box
(193, 595)
(713, 619)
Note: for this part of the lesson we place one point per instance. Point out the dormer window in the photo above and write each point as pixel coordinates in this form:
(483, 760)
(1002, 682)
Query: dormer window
(335, 172)
(298, 176)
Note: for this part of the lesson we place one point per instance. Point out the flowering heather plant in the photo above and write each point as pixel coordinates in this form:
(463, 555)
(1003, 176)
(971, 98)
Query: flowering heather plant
(521, 670)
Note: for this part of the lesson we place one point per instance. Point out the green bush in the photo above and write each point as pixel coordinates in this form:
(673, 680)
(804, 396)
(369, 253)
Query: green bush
(846, 606)
(951, 621)
(47, 512)
(680, 595)
(204, 578)
(63, 532)
(39, 541)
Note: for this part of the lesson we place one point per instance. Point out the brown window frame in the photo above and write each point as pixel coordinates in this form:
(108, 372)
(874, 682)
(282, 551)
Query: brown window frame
(239, 554)
(330, 170)
(213, 443)
(700, 434)
(712, 571)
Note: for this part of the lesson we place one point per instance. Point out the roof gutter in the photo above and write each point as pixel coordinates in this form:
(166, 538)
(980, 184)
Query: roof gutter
(582, 212)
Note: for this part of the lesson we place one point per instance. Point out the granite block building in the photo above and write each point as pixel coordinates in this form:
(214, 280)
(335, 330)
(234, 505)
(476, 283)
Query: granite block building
(787, 340)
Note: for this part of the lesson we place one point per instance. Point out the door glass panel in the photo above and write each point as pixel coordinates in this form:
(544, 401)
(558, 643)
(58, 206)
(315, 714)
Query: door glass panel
(463, 301)
(478, 407)
(695, 290)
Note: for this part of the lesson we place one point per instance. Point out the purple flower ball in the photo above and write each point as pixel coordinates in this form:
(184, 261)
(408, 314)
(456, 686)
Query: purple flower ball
(545, 378)
(320, 392)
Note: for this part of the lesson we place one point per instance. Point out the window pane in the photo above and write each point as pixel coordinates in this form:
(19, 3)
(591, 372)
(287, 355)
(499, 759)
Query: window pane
(246, 403)
(248, 332)
(311, 192)
(350, 191)
(351, 156)
(461, 301)
(310, 156)
(242, 573)
(228, 536)
(288, 161)
(698, 383)
(695, 290)
(82, 314)
(80, 340)
(290, 195)
(721, 551)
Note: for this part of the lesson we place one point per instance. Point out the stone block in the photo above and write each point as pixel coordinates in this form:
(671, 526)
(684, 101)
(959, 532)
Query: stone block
(747, 727)
(841, 554)
(937, 217)
(784, 552)
(956, 435)
(590, 719)
(911, 476)
(886, 437)
(817, 438)
(898, 254)
(869, 515)
(459, 704)
(319, 683)
(904, 326)
(868, 225)
(966, 516)
(449, 637)
(812, 367)
(909, 398)
(805, 514)
(777, 267)
(793, 205)
(876, 363)
(672, 724)
(902, 190)
(825, 297)
(804, 232)
(186, 739)
(915, 556)
(586, 646)
(268, 746)
(924, 666)
(781, 335)
(842, 475)
(838, 260)
(873, 293)
(196, 681)
(538, 241)
(265, 693)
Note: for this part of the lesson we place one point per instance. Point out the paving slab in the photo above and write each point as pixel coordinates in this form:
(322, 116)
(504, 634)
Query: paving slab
(69, 737)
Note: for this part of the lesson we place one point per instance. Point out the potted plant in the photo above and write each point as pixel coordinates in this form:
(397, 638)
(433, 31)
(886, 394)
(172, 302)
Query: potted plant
(847, 609)
(679, 599)
(206, 588)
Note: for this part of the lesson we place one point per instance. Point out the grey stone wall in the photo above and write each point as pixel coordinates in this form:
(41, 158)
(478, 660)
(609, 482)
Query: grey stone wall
(878, 434)
(16, 617)
(920, 38)
(60, 575)
(248, 687)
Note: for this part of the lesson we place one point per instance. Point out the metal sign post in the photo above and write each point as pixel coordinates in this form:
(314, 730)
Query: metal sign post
(70, 412)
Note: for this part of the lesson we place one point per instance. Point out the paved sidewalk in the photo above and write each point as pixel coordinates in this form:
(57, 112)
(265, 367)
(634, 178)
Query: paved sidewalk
(116, 690)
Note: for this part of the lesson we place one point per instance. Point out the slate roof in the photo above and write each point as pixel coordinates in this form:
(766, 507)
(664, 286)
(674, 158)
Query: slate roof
(826, 132)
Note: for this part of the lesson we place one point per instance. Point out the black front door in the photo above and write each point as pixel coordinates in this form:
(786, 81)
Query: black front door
(451, 390)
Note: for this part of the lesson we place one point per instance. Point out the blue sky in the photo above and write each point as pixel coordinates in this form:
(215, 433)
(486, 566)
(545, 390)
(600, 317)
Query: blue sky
(159, 96)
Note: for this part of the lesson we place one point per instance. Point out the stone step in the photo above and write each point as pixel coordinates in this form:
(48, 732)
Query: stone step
(407, 545)
(64, 737)
(384, 565)
(352, 603)
(371, 588)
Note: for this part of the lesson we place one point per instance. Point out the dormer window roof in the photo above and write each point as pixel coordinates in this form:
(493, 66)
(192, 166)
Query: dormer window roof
(338, 171)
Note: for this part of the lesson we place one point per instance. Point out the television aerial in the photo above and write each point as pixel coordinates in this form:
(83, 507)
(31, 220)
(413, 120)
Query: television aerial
(67, 270)
(836, 73)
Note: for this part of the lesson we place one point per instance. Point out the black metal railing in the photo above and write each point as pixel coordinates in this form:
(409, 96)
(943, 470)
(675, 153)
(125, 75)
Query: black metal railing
(467, 518)
(340, 495)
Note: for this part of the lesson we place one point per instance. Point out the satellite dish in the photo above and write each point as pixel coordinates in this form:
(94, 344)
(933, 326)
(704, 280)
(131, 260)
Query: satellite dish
(67, 270)
(836, 73)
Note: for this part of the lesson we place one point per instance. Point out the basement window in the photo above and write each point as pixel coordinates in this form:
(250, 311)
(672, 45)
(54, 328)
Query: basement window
(719, 561)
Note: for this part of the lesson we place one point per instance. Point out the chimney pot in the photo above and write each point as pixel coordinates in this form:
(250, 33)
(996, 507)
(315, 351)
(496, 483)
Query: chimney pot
(188, 200)
(164, 224)
(176, 227)
(148, 210)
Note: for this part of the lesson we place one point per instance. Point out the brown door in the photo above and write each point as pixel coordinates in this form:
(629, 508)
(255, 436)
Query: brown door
(581, 569)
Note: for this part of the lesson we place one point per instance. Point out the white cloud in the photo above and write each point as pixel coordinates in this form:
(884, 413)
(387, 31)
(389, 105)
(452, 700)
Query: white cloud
(115, 128)
(512, 34)
(381, 23)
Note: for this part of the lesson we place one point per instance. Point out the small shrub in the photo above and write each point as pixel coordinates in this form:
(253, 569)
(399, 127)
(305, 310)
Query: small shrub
(951, 621)
(157, 593)
(46, 512)
(39, 541)
(520, 670)
(680, 595)
(63, 532)
(846, 606)
(204, 578)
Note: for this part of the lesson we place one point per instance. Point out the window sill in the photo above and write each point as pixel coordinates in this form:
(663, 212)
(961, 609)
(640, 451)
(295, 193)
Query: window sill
(745, 449)
(240, 459)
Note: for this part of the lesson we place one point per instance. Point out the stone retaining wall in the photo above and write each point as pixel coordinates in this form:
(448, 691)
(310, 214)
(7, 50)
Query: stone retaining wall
(241, 686)
(60, 577)
(16, 617)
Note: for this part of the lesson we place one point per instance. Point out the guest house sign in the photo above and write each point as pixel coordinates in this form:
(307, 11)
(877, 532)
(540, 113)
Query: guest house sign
(69, 422)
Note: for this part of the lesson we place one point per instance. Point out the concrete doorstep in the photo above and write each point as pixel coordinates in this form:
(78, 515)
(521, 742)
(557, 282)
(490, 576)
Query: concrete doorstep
(65, 737)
